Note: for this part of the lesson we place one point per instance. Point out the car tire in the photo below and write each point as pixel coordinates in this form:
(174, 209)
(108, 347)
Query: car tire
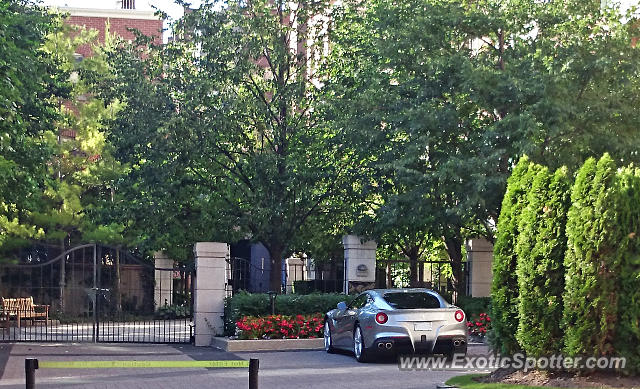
(457, 351)
(359, 349)
(328, 342)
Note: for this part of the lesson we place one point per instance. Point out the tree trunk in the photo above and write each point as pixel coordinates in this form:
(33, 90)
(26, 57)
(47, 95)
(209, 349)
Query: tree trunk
(275, 275)
(412, 254)
(453, 245)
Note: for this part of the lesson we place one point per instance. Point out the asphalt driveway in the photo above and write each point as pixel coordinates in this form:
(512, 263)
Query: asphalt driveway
(284, 369)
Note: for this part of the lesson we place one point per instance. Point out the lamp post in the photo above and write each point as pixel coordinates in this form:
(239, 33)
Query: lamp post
(272, 300)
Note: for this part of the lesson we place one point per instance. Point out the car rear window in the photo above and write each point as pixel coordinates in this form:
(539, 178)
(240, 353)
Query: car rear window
(413, 300)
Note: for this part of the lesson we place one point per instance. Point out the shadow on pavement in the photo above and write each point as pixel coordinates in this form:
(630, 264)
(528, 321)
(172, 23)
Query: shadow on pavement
(5, 351)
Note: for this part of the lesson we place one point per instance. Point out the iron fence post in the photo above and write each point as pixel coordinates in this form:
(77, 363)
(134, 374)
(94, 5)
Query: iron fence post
(95, 291)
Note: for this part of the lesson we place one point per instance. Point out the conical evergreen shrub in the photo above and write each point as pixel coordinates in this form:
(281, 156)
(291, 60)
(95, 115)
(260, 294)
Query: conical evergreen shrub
(627, 343)
(592, 262)
(540, 250)
(504, 285)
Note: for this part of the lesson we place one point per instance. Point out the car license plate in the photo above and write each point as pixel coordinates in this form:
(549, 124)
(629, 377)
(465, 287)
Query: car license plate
(426, 326)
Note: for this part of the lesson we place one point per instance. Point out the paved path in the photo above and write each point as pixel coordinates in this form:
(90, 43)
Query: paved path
(312, 369)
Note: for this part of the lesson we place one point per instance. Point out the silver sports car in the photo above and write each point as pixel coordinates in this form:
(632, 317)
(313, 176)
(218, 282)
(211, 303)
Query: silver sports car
(395, 321)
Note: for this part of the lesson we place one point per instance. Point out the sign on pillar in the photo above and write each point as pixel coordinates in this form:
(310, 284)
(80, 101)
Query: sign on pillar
(209, 295)
(359, 264)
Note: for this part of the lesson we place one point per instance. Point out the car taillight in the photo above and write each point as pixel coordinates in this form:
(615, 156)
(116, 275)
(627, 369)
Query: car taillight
(382, 317)
(459, 315)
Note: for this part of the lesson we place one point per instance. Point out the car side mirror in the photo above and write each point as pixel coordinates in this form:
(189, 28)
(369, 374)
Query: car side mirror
(342, 306)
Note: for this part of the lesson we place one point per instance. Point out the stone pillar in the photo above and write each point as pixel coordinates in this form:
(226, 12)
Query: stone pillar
(163, 288)
(208, 303)
(480, 261)
(359, 264)
(296, 270)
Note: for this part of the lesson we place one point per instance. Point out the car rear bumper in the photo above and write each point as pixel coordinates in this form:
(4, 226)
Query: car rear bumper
(404, 345)
(444, 340)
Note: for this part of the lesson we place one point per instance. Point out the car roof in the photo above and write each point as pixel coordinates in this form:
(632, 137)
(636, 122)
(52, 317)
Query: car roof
(402, 290)
(381, 292)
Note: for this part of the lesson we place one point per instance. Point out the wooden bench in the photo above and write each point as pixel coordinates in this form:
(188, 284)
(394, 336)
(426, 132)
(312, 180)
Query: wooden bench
(23, 308)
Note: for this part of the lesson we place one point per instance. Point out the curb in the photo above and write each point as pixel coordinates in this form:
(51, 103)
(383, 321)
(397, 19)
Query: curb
(233, 345)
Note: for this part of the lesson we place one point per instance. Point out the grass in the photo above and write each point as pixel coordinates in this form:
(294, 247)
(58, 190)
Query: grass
(468, 382)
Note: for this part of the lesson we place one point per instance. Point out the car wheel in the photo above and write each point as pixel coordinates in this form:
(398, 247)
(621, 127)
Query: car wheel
(457, 351)
(328, 343)
(359, 349)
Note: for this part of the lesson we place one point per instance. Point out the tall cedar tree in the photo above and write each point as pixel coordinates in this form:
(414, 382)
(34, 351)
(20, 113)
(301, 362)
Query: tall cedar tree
(627, 342)
(504, 286)
(540, 269)
(593, 261)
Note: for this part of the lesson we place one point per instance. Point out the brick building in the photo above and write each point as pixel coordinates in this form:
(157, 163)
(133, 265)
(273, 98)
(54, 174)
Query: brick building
(119, 20)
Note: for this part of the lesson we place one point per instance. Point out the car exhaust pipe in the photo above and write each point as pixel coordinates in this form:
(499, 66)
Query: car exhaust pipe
(458, 342)
(380, 346)
(388, 345)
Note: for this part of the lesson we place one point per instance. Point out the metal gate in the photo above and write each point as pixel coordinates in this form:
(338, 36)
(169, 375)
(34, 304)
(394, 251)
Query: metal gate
(94, 293)
(436, 275)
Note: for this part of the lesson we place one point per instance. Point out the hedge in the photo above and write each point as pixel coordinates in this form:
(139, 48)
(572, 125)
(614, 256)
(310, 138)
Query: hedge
(504, 286)
(474, 306)
(244, 304)
(540, 270)
(577, 263)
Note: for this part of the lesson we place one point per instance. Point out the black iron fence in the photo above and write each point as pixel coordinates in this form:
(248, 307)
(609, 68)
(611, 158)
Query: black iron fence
(94, 293)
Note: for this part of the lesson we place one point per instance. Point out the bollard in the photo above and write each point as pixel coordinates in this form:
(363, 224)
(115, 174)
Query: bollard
(254, 365)
(30, 366)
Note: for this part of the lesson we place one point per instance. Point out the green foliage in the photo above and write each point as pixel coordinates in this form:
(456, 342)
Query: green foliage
(577, 262)
(228, 142)
(593, 261)
(258, 304)
(403, 89)
(304, 287)
(30, 85)
(540, 250)
(504, 287)
(627, 343)
(169, 312)
(474, 306)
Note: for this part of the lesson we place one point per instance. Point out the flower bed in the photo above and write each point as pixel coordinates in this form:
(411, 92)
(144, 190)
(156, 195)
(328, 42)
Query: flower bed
(479, 325)
(280, 327)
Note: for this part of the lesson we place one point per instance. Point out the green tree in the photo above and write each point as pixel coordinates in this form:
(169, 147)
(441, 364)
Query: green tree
(403, 91)
(504, 286)
(593, 261)
(563, 80)
(442, 106)
(30, 85)
(82, 165)
(540, 249)
(226, 121)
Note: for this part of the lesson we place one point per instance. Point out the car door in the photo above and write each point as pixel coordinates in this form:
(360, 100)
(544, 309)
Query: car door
(350, 316)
